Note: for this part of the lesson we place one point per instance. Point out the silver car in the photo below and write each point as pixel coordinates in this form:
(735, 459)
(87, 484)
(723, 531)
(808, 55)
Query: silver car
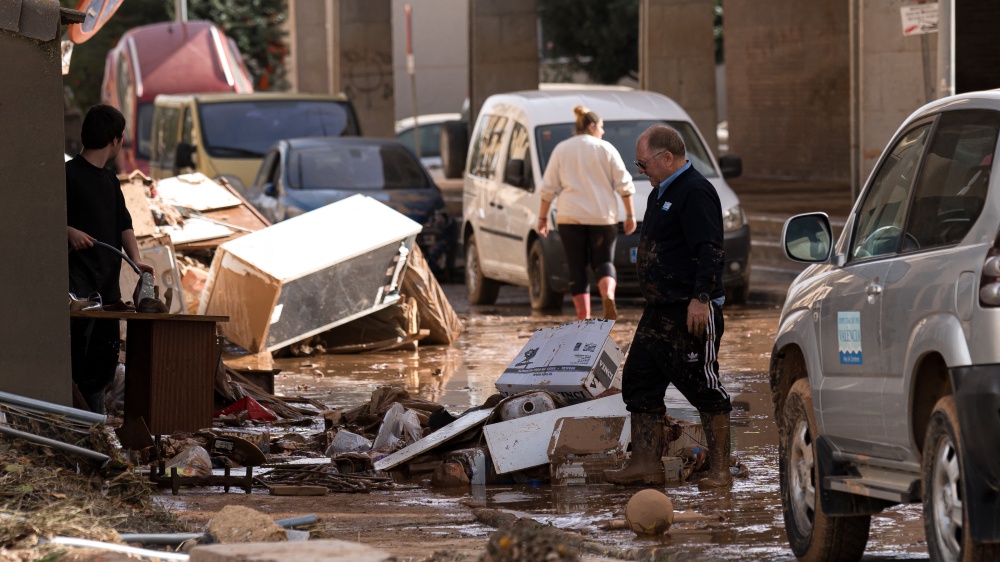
(886, 370)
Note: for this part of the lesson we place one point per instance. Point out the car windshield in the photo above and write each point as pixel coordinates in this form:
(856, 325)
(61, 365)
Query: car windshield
(246, 129)
(143, 128)
(355, 167)
(430, 140)
(623, 134)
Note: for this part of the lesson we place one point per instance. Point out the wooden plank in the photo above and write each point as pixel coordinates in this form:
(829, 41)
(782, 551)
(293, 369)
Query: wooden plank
(138, 207)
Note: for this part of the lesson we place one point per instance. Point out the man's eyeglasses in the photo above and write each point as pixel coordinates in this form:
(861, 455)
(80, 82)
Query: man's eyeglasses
(642, 164)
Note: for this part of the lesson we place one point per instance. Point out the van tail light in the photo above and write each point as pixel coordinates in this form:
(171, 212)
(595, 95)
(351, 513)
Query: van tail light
(989, 281)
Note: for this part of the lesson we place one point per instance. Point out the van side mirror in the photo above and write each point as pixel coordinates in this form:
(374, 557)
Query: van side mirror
(270, 190)
(513, 173)
(184, 156)
(732, 166)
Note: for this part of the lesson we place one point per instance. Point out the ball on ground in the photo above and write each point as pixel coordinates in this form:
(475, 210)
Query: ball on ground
(650, 512)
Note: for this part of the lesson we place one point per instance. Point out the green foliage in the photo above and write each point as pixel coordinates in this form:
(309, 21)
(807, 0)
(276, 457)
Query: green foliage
(257, 28)
(86, 69)
(600, 37)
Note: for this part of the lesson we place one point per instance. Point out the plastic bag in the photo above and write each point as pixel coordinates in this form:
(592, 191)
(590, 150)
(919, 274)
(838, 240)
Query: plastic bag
(193, 461)
(397, 422)
(347, 442)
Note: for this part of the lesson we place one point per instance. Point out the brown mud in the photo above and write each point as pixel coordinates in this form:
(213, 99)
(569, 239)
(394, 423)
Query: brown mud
(415, 523)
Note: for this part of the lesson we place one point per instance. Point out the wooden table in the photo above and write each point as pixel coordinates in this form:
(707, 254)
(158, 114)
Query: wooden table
(170, 364)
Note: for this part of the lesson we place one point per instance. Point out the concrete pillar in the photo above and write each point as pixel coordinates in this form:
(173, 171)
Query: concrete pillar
(346, 46)
(677, 57)
(34, 335)
(891, 76)
(787, 81)
(503, 49)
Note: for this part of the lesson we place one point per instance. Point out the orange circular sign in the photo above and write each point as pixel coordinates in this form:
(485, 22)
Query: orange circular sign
(98, 13)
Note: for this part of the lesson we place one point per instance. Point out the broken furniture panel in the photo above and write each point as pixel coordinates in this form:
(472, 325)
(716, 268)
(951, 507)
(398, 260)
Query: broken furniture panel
(524, 442)
(576, 361)
(581, 449)
(309, 273)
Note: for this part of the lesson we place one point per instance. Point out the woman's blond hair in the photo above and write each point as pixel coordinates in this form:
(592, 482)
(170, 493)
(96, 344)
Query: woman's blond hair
(584, 118)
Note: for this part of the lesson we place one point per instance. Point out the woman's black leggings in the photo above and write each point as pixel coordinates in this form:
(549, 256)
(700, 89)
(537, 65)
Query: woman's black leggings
(588, 244)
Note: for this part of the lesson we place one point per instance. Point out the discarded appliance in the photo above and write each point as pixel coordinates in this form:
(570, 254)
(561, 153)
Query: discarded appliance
(158, 252)
(450, 431)
(524, 442)
(576, 361)
(310, 273)
(581, 449)
(527, 404)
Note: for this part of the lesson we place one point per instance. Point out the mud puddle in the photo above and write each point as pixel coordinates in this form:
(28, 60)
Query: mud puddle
(463, 375)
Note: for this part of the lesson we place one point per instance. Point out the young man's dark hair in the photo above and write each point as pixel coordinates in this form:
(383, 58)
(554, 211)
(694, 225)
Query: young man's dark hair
(102, 125)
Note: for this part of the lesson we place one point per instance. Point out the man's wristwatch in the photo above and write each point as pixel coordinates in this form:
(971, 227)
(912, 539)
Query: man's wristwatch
(703, 298)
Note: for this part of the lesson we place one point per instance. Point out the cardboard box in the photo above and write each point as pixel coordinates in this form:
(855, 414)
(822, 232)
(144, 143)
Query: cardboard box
(310, 273)
(578, 360)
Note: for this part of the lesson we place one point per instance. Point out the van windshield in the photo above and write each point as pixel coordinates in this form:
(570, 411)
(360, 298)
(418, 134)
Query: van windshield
(623, 134)
(246, 129)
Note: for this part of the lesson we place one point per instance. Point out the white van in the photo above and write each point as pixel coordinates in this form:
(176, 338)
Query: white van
(510, 146)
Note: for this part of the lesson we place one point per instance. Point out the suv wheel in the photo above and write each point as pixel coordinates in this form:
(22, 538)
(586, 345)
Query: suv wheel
(811, 533)
(944, 509)
(539, 288)
(481, 289)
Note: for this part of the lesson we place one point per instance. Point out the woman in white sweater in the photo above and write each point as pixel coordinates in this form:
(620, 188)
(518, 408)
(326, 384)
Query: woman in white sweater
(586, 172)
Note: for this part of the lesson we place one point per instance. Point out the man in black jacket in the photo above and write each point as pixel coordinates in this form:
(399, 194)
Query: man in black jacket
(95, 210)
(680, 262)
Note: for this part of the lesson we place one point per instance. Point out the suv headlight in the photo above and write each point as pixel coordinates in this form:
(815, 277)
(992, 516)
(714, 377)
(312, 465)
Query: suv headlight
(733, 218)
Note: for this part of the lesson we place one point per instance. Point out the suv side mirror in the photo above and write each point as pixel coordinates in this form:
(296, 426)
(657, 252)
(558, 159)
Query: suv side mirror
(270, 190)
(184, 156)
(513, 173)
(807, 238)
(732, 166)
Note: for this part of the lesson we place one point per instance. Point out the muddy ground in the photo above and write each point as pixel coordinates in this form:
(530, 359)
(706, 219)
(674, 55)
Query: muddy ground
(416, 523)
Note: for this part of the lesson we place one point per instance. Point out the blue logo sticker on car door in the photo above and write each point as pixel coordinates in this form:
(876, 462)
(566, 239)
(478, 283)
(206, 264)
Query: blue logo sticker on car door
(849, 337)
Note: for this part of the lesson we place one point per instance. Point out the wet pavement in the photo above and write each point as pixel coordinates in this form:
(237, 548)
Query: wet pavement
(462, 376)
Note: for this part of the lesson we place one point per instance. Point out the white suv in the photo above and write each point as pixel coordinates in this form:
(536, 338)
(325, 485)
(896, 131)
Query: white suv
(886, 370)
(511, 144)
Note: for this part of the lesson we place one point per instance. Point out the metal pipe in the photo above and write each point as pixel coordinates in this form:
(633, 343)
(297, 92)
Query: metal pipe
(155, 554)
(163, 539)
(166, 539)
(94, 455)
(300, 521)
(39, 406)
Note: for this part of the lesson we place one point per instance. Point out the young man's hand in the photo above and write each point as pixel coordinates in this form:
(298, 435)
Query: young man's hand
(78, 239)
(145, 268)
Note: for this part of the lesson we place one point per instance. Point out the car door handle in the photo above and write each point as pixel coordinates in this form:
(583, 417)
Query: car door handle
(873, 290)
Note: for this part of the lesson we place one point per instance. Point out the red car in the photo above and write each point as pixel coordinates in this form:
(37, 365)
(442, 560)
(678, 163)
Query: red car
(166, 58)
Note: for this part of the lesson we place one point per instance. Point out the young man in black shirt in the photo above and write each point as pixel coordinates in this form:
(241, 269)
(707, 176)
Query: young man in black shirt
(680, 263)
(96, 211)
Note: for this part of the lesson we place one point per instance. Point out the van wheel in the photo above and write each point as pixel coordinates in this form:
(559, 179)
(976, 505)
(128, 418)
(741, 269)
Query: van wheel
(454, 142)
(539, 286)
(481, 289)
(811, 533)
(945, 516)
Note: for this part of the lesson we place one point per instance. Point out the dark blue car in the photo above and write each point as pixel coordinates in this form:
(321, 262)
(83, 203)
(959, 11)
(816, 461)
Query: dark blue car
(300, 175)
